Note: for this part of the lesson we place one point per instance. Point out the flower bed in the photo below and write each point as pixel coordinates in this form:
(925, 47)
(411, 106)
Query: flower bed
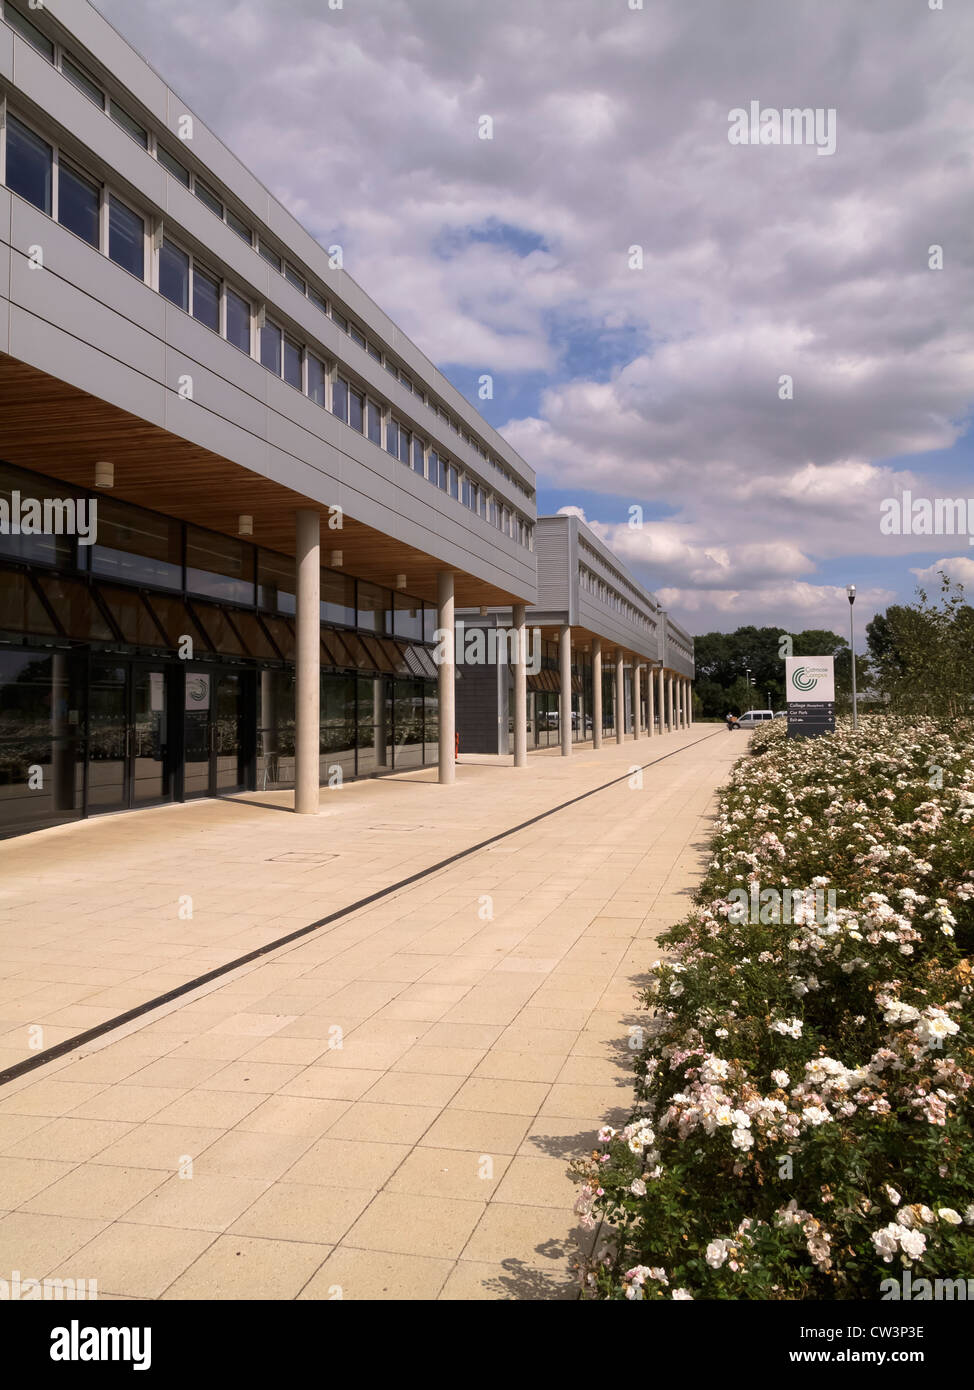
(802, 1124)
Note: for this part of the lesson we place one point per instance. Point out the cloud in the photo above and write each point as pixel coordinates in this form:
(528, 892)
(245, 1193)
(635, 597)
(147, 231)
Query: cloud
(757, 263)
(959, 568)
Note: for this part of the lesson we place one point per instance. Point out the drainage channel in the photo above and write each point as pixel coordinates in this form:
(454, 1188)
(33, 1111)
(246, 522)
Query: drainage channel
(50, 1054)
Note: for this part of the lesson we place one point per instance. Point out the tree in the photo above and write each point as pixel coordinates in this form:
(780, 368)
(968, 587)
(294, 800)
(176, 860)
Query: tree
(924, 653)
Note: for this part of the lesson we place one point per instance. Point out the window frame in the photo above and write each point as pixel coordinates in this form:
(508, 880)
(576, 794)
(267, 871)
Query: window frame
(147, 248)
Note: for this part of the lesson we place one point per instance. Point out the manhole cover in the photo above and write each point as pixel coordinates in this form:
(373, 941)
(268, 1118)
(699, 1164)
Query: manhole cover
(301, 856)
(402, 829)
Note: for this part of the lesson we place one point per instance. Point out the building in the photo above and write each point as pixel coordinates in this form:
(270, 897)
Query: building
(604, 659)
(236, 502)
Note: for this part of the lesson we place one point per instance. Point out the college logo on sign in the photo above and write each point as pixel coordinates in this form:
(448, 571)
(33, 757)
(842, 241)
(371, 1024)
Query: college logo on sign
(810, 678)
(197, 691)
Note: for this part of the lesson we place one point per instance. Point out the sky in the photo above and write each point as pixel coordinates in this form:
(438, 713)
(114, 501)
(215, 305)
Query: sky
(637, 286)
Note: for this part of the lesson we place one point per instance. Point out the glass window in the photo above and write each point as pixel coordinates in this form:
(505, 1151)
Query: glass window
(317, 300)
(30, 162)
(293, 278)
(206, 299)
(47, 547)
(392, 369)
(404, 380)
(431, 622)
(207, 197)
(373, 605)
(170, 162)
(219, 566)
(355, 335)
(275, 582)
(356, 410)
(316, 380)
(82, 81)
(339, 319)
(292, 365)
(238, 322)
(126, 237)
(337, 598)
(271, 339)
(408, 618)
(405, 441)
(78, 201)
(271, 257)
(453, 481)
(29, 31)
(238, 225)
(174, 275)
(137, 546)
(418, 461)
(339, 399)
(392, 438)
(129, 124)
(374, 423)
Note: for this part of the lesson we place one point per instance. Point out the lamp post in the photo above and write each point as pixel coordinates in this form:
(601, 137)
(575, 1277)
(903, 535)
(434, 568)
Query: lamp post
(851, 591)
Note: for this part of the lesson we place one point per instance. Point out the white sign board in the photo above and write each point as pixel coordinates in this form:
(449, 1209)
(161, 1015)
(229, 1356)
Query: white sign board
(197, 691)
(809, 679)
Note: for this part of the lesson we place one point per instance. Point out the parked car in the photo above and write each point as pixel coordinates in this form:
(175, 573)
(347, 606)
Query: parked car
(781, 714)
(754, 717)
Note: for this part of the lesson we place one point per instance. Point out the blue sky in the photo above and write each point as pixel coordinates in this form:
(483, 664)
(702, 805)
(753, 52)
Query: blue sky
(650, 379)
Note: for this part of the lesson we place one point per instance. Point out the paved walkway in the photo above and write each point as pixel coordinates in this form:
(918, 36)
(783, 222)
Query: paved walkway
(382, 1109)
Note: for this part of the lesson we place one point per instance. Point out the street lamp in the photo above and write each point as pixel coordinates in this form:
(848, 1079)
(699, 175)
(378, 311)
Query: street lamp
(851, 591)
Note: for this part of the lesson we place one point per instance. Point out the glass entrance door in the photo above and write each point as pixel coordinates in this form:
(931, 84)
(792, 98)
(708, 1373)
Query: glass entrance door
(227, 770)
(128, 745)
(216, 748)
(151, 770)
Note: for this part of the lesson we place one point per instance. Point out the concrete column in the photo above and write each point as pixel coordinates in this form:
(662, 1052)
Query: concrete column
(565, 693)
(690, 702)
(660, 701)
(596, 692)
(520, 687)
(671, 702)
(637, 701)
(446, 678)
(686, 704)
(650, 702)
(307, 737)
(620, 695)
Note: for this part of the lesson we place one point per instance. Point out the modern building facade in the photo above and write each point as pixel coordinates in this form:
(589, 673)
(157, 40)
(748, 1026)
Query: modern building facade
(236, 502)
(604, 659)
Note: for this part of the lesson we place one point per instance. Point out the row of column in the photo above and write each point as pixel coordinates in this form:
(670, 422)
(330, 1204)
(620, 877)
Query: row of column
(666, 691)
(674, 698)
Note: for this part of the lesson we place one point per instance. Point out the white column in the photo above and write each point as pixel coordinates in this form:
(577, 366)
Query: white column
(637, 712)
(661, 699)
(520, 687)
(671, 702)
(307, 737)
(565, 693)
(686, 708)
(690, 702)
(596, 692)
(650, 702)
(446, 678)
(620, 695)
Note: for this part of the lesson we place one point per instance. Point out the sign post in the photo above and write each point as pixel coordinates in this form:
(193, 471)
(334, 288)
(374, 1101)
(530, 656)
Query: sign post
(810, 683)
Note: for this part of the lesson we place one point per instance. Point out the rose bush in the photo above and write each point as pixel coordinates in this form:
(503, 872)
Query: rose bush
(802, 1120)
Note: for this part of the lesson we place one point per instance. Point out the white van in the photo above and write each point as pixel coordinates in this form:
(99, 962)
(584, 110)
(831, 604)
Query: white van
(754, 717)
